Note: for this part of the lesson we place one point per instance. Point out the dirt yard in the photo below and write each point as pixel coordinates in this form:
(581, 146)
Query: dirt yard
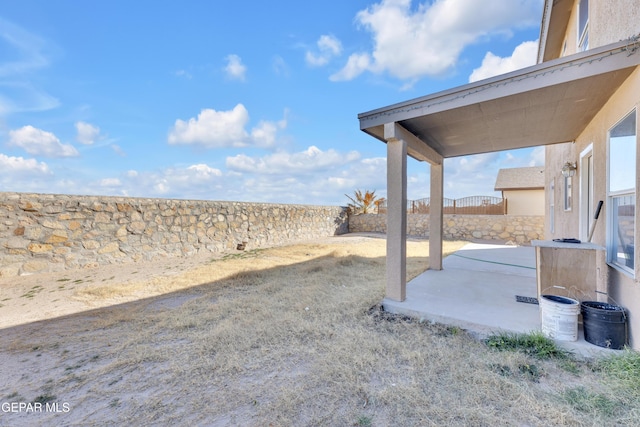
(283, 336)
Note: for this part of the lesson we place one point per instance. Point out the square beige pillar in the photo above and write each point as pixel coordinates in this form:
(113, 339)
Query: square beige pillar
(396, 219)
(436, 217)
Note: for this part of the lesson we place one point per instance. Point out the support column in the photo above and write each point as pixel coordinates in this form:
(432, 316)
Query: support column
(396, 219)
(435, 217)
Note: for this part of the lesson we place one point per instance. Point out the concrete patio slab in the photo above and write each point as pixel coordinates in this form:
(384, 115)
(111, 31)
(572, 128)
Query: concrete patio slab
(476, 290)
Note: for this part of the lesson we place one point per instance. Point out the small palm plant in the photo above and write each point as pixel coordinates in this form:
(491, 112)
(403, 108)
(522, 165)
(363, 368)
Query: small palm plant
(363, 203)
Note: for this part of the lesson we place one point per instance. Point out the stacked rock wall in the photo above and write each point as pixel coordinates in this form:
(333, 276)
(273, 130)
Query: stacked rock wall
(516, 228)
(43, 232)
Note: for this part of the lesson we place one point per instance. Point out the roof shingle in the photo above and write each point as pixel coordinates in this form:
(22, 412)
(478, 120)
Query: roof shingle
(529, 178)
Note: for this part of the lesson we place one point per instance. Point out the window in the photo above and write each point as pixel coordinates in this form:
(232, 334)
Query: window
(583, 25)
(622, 194)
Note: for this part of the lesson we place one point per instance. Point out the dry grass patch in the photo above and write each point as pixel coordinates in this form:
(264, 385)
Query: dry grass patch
(285, 336)
(256, 260)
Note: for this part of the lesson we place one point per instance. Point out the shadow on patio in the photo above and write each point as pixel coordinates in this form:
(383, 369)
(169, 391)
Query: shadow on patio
(476, 290)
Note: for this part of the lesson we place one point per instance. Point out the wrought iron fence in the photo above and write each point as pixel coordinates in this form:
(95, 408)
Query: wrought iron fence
(473, 205)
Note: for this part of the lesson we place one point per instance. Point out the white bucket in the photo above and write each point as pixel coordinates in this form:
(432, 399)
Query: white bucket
(559, 317)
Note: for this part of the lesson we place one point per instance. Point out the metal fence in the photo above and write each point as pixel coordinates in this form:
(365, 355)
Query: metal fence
(473, 205)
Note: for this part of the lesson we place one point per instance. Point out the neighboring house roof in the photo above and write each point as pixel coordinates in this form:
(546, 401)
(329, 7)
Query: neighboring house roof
(530, 178)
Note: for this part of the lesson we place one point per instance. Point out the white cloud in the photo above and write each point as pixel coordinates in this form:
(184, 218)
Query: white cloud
(10, 165)
(235, 69)
(536, 158)
(524, 55)
(427, 40)
(524, 157)
(367, 174)
(161, 188)
(213, 128)
(202, 171)
(264, 135)
(216, 129)
(195, 181)
(23, 54)
(24, 175)
(325, 185)
(465, 176)
(280, 66)
(282, 163)
(30, 48)
(22, 97)
(87, 133)
(110, 182)
(312, 176)
(118, 150)
(184, 74)
(38, 142)
(476, 175)
(356, 65)
(328, 47)
(329, 43)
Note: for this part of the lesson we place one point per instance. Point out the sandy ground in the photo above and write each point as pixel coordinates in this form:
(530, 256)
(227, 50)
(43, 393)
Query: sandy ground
(60, 330)
(29, 298)
(287, 336)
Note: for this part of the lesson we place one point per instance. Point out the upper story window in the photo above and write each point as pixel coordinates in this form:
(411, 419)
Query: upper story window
(622, 194)
(583, 25)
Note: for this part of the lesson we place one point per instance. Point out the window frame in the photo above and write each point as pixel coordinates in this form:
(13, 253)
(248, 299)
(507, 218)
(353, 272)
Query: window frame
(613, 198)
(583, 25)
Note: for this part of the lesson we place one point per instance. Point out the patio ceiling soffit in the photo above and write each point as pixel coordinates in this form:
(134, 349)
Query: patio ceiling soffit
(548, 103)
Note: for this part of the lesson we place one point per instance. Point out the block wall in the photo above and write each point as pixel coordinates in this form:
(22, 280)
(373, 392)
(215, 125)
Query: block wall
(43, 232)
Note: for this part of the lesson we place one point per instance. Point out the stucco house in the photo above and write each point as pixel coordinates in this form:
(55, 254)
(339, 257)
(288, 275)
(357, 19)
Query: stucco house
(604, 153)
(522, 189)
(580, 101)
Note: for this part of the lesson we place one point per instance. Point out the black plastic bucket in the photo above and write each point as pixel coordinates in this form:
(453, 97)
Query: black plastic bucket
(605, 325)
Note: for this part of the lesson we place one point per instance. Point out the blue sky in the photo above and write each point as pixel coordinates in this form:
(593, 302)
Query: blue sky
(245, 100)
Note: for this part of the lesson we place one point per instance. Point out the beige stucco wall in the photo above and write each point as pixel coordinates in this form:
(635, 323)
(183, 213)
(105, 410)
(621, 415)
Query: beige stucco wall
(622, 288)
(609, 22)
(626, 98)
(624, 13)
(566, 222)
(524, 202)
(613, 20)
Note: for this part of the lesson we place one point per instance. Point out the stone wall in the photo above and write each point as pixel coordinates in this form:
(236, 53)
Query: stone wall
(516, 228)
(43, 233)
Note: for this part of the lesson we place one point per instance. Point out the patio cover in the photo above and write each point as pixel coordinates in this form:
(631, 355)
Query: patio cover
(548, 103)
